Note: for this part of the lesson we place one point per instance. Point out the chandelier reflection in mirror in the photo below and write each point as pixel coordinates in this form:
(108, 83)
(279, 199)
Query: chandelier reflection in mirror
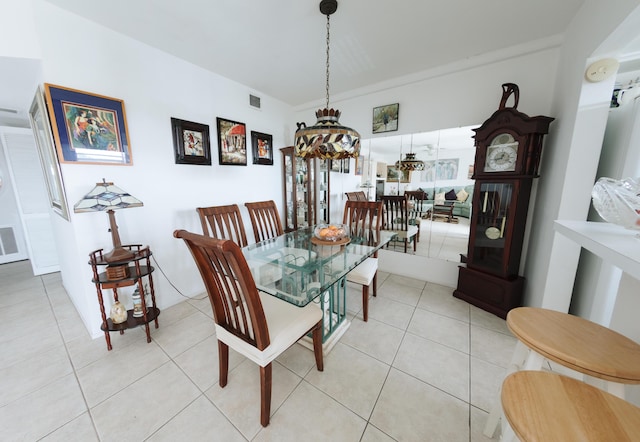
(327, 139)
(410, 162)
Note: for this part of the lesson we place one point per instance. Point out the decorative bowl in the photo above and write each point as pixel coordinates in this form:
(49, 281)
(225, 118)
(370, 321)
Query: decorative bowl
(331, 232)
(618, 201)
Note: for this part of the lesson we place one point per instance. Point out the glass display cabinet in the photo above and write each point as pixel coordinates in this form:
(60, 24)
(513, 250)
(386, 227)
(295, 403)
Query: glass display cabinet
(306, 190)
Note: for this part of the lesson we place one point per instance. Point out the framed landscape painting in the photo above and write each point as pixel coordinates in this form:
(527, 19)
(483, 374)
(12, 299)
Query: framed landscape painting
(232, 142)
(385, 118)
(88, 128)
(398, 175)
(191, 142)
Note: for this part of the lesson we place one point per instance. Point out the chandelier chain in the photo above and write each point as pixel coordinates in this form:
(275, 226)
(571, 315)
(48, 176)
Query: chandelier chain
(327, 86)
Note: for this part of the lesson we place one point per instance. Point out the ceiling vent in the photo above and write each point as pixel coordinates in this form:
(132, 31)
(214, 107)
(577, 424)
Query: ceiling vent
(254, 101)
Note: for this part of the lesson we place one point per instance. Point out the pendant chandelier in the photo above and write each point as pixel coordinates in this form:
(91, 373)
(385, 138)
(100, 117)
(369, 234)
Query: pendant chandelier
(327, 139)
(410, 163)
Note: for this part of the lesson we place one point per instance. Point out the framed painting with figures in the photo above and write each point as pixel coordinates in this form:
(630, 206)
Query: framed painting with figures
(191, 142)
(88, 128)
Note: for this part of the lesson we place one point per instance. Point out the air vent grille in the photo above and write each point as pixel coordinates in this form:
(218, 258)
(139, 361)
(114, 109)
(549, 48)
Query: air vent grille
(254, 101)
(8, 243)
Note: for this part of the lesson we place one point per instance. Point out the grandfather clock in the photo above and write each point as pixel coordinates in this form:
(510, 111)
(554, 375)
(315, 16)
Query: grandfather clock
(508, 150)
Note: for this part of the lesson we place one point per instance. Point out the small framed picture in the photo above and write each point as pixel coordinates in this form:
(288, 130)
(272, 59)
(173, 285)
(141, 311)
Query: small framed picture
(191, 142)
(340, 165)
(385, 118)
(262, 145)
(398, 175)
(88, 128)
(232, 142)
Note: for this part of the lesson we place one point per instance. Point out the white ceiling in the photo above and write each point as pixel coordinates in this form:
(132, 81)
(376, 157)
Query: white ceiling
(277, 47)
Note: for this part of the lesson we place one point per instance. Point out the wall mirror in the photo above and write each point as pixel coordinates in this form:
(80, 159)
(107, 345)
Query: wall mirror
(448, 156)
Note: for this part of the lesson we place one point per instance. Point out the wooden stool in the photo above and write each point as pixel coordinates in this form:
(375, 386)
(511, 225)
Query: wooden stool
(543, 406)
(573, 342)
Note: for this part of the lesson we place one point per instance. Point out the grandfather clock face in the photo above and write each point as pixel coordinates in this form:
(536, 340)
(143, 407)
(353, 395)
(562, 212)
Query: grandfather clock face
(502, 154)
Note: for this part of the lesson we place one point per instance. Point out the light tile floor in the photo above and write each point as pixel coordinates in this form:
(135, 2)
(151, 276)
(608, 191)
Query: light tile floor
(426, 367)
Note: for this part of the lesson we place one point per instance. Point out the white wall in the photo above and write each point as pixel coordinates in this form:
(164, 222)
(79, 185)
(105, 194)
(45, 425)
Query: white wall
(155, 86)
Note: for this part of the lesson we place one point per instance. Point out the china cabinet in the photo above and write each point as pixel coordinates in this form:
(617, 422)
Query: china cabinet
(306, 190)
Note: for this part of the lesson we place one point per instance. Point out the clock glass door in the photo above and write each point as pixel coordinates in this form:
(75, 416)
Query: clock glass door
(492, 226)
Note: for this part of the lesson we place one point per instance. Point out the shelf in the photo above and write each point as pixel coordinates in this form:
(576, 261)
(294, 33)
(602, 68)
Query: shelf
(124, 282)
(615, 244)
(132, 322)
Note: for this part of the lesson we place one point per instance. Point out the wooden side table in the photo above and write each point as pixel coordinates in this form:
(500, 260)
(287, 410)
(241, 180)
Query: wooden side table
(125, 274)
(445, 209)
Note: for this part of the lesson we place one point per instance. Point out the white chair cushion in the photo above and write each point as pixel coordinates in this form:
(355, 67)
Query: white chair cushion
(409, 233)
(363, 274)
(287, 324)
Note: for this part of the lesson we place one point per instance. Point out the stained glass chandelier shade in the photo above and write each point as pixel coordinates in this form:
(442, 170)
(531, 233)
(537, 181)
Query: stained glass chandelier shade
(327, 139)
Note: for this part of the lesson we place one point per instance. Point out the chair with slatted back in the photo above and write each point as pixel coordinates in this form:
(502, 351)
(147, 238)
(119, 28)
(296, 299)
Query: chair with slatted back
(364, 224)
(396, 218)
(223, 222)
(265, 219)
(356, 196)
(257, 325)
(416, 207)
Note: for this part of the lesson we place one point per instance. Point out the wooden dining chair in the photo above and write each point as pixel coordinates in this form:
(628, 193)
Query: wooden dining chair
(356, 196)
(415, 205)
(265, 219)
(364, 222)
(396, 218)
(257, 325)
(223, 222)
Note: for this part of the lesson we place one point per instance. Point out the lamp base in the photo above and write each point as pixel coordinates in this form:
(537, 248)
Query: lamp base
(119, 254)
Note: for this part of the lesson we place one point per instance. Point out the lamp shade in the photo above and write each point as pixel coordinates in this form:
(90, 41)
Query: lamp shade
(410, 163)
(106, 196)
(327, 139)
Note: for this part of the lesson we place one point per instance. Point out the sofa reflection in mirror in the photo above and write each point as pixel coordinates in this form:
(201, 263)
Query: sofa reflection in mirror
(459, 196)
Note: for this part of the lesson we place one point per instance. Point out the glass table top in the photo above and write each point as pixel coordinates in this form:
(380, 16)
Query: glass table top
(297, 270)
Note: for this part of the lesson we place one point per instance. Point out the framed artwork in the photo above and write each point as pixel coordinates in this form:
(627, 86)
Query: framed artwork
(262, 145)
(385, 118)
(88, 128)
(191, 142)
(232, 143)
(441, 170)
(41, 127)
(340, 165)
(398, 175)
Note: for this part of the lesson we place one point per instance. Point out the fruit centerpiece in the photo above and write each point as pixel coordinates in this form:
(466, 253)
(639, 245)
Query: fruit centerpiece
(331, 233)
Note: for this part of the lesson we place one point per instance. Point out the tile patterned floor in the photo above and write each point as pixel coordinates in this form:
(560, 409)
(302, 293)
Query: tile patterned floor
(426, 367)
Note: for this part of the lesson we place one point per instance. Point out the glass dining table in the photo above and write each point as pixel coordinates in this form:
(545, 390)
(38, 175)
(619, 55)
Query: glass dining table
(297, 269)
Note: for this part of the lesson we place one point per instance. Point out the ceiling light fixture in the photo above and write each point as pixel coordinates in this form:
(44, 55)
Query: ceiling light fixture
(327, 139)
(410, 162)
